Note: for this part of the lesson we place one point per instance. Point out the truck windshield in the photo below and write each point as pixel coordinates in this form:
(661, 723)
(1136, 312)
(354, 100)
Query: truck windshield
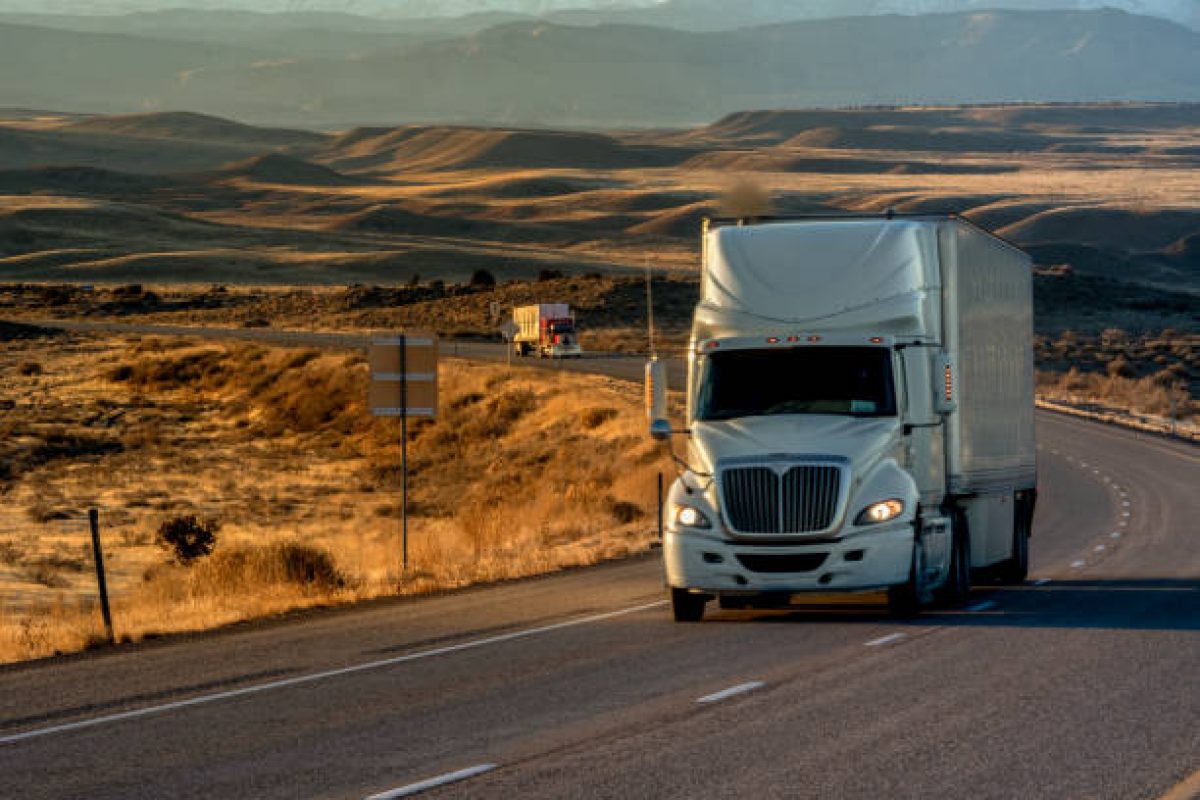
(796, 380)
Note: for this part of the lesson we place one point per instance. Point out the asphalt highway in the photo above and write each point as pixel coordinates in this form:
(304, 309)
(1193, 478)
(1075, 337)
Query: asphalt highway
(1084, 683)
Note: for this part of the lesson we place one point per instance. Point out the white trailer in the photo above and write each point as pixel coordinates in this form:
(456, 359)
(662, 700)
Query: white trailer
(860, 413)
(547, 329)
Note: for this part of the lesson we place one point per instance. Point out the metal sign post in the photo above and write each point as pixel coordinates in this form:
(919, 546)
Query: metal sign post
(403, 384)
(509, 330)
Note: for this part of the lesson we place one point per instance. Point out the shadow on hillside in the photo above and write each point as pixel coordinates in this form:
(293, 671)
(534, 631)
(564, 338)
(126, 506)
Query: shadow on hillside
(1163, 604)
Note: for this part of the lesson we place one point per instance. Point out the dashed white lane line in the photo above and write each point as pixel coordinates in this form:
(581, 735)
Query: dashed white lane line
(1115, 535)
(889, 639)
(732, 691)
(433, 783)
(982, 606)
(317, 676)
(1099, 548)
(1078, 564)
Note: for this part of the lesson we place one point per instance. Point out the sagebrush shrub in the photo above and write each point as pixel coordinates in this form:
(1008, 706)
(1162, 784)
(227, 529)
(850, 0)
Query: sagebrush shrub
(188, 538)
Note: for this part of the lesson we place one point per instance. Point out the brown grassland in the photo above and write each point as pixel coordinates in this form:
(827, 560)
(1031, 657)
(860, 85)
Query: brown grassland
(519, 476)
(170, 218)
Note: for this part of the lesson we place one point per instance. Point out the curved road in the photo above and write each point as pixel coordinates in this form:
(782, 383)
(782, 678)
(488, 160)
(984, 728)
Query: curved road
(1083, 683)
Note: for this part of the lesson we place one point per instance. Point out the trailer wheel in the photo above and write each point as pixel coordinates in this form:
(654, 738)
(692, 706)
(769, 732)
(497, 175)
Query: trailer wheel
(904, 600)
(957, 588)
(687, 607)
(1014, 571)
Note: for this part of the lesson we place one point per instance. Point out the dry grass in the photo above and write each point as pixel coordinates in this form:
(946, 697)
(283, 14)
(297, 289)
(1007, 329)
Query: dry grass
(517, 477)
(1151, 375)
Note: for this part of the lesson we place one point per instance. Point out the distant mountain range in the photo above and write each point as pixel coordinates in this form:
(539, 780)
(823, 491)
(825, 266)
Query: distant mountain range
(685, 14)
(334, 72)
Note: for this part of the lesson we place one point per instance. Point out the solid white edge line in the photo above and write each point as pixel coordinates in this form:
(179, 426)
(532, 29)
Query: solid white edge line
(433, 783)
(732, 691)
(982, 606)
(882, 640)
(317, 676)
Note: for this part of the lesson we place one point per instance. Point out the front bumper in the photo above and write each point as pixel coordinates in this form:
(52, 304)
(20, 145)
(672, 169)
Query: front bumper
(708, 562)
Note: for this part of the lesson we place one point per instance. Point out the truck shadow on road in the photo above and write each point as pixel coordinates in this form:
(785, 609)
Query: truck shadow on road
(1168, 604)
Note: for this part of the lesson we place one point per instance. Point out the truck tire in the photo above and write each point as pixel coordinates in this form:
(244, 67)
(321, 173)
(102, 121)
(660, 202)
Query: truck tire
(1014, 571)
(687, 607)
(957, 588)
(905, 600)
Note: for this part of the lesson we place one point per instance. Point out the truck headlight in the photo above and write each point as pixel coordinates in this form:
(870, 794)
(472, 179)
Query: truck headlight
(689, 517)
(883, 511)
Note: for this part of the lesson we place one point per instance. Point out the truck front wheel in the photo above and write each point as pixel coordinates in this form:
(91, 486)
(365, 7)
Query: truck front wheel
(905, 600)
(687, 607)
(957, 588)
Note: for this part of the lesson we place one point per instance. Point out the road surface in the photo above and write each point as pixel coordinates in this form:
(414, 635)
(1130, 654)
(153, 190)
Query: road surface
(1083, 683)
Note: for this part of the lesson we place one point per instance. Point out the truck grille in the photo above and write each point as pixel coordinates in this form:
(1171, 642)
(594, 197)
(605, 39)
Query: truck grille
(803, 499)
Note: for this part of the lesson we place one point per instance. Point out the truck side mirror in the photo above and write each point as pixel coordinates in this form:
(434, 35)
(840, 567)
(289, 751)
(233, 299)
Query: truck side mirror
(656, 399)
(660, 430)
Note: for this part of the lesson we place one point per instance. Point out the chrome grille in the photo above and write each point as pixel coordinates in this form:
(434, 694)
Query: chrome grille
(752, 499)
(802, 499)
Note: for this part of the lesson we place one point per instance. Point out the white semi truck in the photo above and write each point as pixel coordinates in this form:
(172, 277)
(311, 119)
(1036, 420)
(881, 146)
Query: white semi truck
(859, 413)
(547, 329)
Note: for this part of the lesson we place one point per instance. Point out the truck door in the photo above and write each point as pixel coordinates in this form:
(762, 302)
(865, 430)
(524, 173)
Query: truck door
(925, 443)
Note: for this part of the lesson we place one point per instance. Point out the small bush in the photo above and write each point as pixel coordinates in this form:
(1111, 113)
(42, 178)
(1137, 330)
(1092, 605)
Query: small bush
(42, 512)
(30, 368)
(307, 565)
(247, 569)
(625, 512)
(47, 576)
(549, 275)
(465, 400)
(11, 554)
(1119, 367)
(595, 417)
(188, 538)
(482, 278)
(301, 358)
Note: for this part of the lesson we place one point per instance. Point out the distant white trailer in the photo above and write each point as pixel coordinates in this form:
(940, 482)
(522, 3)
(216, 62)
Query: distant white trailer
(547, 329)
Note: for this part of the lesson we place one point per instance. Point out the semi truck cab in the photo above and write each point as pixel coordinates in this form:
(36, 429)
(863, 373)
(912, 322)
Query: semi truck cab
(833, 442)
